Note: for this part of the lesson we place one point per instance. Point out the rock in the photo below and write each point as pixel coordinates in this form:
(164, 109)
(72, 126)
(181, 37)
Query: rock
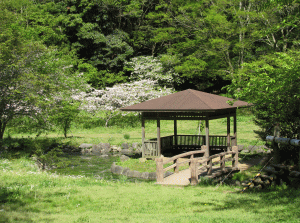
(126, 152)
(152, 176)
(125, 145)
(113, 167)
(85, 146)
(96, 150)
(104, 147)
(135, 145)
(86, 151)
(137, 174)
(105, 156)
(125, 171)
(246, 151)
(240, 147)
(166, 174)
(115, 149)
(145, 175)
(123, 158)
(253, 148)
(260, 150)
(237, 183)
(130, 173)
(118, 170)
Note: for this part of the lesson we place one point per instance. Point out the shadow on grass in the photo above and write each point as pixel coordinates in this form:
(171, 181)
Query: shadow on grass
(277, 204)
(13, 207)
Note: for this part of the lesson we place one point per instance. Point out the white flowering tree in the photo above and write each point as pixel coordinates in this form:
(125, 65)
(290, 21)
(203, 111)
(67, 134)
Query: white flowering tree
(151, 68)
(106, 104)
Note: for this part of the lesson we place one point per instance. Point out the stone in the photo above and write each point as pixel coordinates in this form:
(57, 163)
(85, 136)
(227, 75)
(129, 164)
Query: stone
(118, 170)
(252, 148)
(112, 168)
(96, 150)
(125, 145)
(137, 174)
(166, 174)
(152, 176)
(237, 183)
(145, 175)
(125, 171)
(135, 145)
(115, 149)
(260, 150)
(126, 151)
(240, 147)
(105, 156)
(85, 146)
(104, 147)
(130, 173)
(123, 158)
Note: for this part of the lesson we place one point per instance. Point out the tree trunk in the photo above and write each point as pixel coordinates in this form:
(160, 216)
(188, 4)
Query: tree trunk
(2, 128)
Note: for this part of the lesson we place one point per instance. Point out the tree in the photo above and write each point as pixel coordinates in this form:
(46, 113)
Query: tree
(106, 104)
(31, 74)
(151, 68)
(272, 85)
(64, 114)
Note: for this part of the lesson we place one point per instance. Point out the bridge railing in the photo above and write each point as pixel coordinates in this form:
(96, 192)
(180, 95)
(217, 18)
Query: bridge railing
(177, 162)
(196, 162)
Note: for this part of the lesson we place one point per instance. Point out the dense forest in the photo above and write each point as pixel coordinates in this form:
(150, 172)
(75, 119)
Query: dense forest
(50, 50)
(200, 44)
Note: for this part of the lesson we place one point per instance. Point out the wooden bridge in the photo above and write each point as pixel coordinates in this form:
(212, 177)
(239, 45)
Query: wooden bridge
(200, 164)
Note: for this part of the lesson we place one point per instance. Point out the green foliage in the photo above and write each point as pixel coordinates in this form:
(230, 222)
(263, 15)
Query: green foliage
(64, 114)
(126, 136)
(100, 79)
(272, 84)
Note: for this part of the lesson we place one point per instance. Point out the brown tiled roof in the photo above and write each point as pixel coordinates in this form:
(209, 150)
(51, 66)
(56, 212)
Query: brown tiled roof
(187, 100)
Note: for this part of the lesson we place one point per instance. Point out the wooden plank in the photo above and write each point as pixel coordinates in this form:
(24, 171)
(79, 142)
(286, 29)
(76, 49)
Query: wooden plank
(228, 133)
(143, 136)
(207, 133)
(159, 170)
(235, 129)
(158, 138)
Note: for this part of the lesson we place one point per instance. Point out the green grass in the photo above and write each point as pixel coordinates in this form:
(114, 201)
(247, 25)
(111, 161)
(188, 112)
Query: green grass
(30, 195)
(89, 166)
(117, 135)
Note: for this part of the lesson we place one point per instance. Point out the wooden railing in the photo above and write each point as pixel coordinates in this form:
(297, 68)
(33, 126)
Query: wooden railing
(195, 163)
(151, 148)
(187, 142)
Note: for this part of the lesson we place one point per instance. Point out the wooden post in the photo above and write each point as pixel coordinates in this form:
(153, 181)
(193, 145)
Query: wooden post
(175, 133)
(158, 138)
(209, 167)
(194, 175)
(176, 168)
(143, 137)
(222, 163)
(207, 132)
(235, 156)
(228, 133)
(206, 154)
(235, 129)
(159, 170)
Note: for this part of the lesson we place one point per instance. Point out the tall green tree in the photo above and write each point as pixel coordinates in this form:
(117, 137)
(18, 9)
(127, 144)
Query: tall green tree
(32, 76)
(272, 85)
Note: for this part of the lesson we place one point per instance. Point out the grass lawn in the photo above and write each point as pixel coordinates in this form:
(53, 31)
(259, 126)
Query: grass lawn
(29, 195)
(117, 135)
(83, 191)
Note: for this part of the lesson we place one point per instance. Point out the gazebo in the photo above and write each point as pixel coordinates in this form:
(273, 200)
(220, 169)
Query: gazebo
(188, 105)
